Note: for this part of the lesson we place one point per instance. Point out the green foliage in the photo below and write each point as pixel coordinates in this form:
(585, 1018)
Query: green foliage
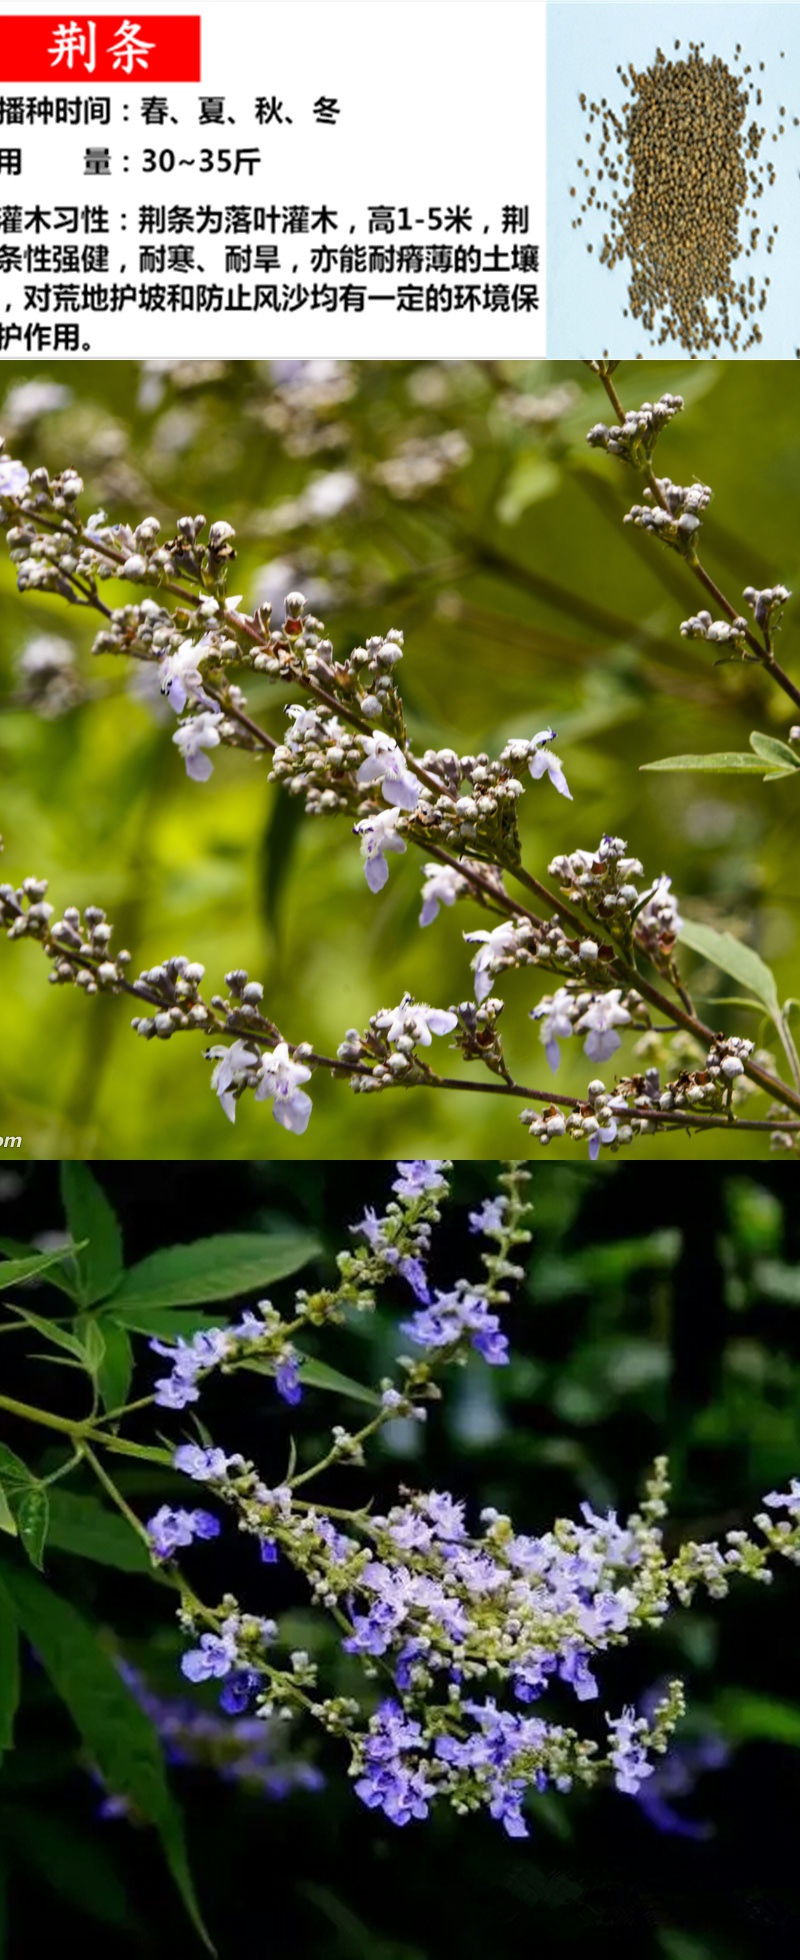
(91, 1219)
(120, 1738)
(783, 760)
(626, 1276)
(209, 1269)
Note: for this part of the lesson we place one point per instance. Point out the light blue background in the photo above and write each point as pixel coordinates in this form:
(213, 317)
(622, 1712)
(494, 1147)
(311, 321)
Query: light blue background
(585, 44)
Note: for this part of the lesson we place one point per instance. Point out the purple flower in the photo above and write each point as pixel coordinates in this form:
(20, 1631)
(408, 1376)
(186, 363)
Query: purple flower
(212, 1660)
(175, 1392)
(168, 1530)
(454, 1316)
(205, 1466)
(239, 1690)
(287, 1380)
(786, 1500)
(575, 1670)
(627, 1752)
(413, 1271)
(490, 1218)
(419, 1175)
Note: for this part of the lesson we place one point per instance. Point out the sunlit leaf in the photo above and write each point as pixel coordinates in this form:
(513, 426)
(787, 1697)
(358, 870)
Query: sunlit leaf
(731, 956)
(723, 764)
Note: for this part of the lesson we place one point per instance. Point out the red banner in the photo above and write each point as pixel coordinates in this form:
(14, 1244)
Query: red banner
(69, 48)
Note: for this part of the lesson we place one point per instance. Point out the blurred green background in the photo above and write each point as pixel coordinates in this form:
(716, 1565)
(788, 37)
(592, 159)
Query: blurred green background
(460, 502)
(658, 1314)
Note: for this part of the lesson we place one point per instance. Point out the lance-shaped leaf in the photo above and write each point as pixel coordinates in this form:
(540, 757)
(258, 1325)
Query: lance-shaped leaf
(731, 956)
(118, 1735)
(13, 1271)
(213, 1269)
(91, 1218)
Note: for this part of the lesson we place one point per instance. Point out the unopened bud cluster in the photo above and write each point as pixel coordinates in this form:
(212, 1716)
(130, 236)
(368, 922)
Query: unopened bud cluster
(673, 515)
(767, 606)
(635, 438)
(723, 632)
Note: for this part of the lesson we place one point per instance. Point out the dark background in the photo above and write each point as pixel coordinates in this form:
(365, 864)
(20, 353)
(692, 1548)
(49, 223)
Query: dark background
(659, 1313)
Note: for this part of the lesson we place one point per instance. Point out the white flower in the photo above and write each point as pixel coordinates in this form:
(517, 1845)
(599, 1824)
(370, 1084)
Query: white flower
(497, 948)
(271, 1074)
(412, 1020)
(237, 1068)
(198, 733)
(14, 478)
(180, 675)
(600, 1021)
(544, 762)
(378, 835)
(557, 1013)
(442, 886)
(309, 725)
(386, 764)
(540, 759)
(280, 1078)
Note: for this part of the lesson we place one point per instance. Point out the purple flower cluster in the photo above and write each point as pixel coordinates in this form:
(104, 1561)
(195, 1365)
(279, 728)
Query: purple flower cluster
(462, 1317)
(220, 1653)
(214, 1347)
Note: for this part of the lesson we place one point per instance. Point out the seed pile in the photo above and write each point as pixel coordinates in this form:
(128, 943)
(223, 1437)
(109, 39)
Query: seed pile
(680, 174)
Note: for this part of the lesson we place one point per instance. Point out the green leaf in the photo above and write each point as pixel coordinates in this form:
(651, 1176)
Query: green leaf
(167, 1322)
(15, 1249)
(723, 764)
(317, 1374)
(14, 1271)
(740, 961)
(117, 1733)
(752, 1717)
(50, 1331)
(9, 1670)
(116, 1368)
(213, 1269)
(8, 1522)
(14, 1474)
(90, 1217)
(33, 1512)
(277, 852)
(778, 753)
(84, 1526)
(93, 1344)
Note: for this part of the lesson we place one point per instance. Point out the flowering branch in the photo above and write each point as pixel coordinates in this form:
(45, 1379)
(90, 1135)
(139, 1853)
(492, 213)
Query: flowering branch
(462, 1638)
(610, 942)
